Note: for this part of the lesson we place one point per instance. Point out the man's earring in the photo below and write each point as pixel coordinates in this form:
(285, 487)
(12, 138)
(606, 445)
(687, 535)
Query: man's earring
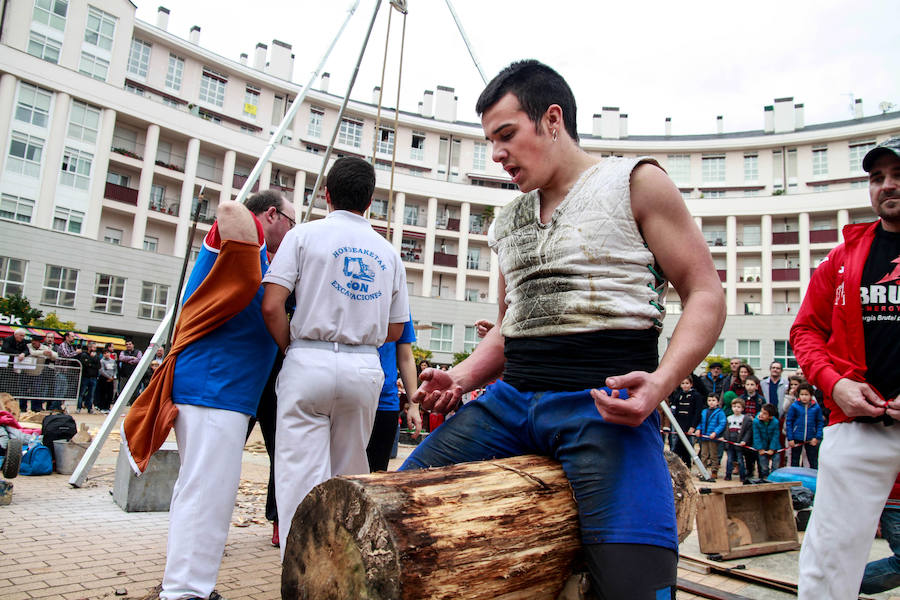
(555, 135)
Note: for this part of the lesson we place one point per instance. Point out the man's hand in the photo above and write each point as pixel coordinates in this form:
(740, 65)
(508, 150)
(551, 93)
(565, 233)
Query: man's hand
(858, 399)
(413, 419)
(814, 442)
(644, 394)
(893, 408)
(712, 436)
(438, 392)
(482, 326)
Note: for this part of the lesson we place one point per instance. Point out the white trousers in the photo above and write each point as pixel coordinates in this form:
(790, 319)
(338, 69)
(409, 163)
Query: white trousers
(326, 407)
(858, 465)
(210, 447)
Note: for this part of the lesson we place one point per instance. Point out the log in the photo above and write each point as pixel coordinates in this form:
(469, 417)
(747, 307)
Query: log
(501, 529)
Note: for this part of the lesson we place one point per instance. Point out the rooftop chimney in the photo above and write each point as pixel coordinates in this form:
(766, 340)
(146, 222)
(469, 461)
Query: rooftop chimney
(769, 119)
(720, 124)
(244, 58)
(596, 122)
(280, 60)
(162, 18)
(428, 104)
(857, 109)
(668, 125)
(609, 122)
(259, 57)
(420, 108)
(195, 34)
(784, 115)
(798, 116)
(376, 91)
(445, 104)
(623, 125)
(323, 83)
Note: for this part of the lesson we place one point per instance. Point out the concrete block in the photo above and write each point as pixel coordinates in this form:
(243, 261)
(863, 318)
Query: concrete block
(152, 491)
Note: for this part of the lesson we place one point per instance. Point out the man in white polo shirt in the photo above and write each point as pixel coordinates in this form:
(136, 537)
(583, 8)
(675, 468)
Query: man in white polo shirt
(351, 295)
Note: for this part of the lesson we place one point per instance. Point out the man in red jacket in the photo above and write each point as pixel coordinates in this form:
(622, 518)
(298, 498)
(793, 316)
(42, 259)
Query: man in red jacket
(847, 339)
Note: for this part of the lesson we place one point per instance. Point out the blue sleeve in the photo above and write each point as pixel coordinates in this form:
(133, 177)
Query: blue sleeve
(409, 333)
(820, 422)
(775, 443)
(757, 435)
(720, 422)
(789, 422)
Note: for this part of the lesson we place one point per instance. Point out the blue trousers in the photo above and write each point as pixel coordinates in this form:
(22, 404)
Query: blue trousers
(882, 575)
(619, 475)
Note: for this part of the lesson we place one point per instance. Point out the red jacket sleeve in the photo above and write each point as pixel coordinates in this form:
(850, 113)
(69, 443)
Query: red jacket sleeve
(812, 328)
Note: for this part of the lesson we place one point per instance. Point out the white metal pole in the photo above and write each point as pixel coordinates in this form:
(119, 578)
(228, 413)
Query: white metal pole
(681, 436)
(465, 38)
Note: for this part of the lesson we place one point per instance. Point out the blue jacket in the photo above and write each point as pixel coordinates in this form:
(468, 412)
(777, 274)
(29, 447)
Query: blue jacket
(712, 422)
(804, 423)
(765, 434)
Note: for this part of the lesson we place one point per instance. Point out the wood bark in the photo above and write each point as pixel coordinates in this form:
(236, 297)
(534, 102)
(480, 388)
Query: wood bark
(501, 529)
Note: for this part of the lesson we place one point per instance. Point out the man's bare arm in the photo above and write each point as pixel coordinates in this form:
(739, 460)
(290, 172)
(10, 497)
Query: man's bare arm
(276, 319)
(235, 222)
(682, 253)
(406, 367)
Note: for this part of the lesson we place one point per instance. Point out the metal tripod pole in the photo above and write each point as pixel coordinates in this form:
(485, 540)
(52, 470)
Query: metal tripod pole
(681, 436)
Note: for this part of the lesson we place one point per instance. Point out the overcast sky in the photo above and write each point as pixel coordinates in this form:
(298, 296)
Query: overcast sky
(689, 60)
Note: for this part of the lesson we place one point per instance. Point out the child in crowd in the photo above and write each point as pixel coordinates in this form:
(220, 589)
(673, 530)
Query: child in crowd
(804, 427)
(739, 430)
(751, 396)
(687, 406)
(765, 439)
(711, 426)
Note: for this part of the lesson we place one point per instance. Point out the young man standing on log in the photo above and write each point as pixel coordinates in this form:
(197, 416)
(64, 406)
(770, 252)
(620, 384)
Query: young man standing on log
(350, 287)
(586, 254)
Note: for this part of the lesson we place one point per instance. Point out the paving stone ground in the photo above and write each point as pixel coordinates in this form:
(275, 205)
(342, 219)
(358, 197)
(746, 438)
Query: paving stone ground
(61, 542)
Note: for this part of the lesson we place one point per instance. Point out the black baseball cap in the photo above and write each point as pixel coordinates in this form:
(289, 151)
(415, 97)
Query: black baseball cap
(891, 146)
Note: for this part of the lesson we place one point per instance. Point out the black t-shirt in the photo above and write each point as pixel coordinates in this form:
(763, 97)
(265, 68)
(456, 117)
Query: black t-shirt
(569, 363)
(880, 295)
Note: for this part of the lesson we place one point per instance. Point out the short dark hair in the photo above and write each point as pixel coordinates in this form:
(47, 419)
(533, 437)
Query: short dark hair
(737, 401)
(536, 86)
(752, 378)
(769, 408)
(262, 201)
(713, 365)
(808, 387)
(351, 183)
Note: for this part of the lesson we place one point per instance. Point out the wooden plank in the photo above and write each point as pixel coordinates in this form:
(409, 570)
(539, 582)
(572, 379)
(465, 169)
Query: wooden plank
(760, 548)
(753, 489)
(749, 575)
(704, 591)
(712, 524)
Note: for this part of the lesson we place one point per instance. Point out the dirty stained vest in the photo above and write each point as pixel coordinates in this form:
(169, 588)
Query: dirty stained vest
(588, 269)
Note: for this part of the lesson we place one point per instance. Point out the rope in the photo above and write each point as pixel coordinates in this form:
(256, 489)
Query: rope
(746, 447)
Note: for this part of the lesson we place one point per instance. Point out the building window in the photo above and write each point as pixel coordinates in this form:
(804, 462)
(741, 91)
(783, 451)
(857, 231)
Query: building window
(93, 66)
(385, 140)
(117, 178)
(15, 208)
(718, 348)
(51, 13)
(411, 215)
(33, 105)
(59, 286)
(820, 161)
(137, 91)
(76, 169)
(67, 220)
(792, 167)
(479, 156)
(195, 253)
(748, 351)
(101, 28)
(212, 87)
(858, 150)
(84, 122)
(471, 339)
(139, 58)
(679, 168)
(442, 337)
(111, 235)
(473, 258)
(713, 168)
(173, 75)
(752, 308)
(379, 209)
(752, 235)
(251, 101)
(714, 194)
(350, 133)
(316, 116)
(25, 153)
(158, 197)
(12, 276)
(154, 297)
(44, 47)
(417, 149)
(784, 354)
(751, 167)
(109, 294)
(777, 170)
(715, 237)
(472, 295)
(151, 244)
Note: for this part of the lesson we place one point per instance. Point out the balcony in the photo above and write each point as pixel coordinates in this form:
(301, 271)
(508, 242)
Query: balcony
(238, 181)
(120, 193)
(166, 206)
(789, 274)
(442, 259)
(478, 265)
(823, 236)
(723, 274)
(785, 237)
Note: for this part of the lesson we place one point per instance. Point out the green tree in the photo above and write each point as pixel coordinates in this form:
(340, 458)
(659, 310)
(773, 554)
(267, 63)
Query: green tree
(726, 364)
(16, 305)
(458, 357)
(421, 354)
(52, 321)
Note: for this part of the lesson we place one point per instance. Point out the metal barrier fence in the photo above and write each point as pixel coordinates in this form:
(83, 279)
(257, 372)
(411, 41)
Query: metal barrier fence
(39, 381)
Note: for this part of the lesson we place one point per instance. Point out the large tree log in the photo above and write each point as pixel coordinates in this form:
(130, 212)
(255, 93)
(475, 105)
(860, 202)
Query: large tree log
(501, 529)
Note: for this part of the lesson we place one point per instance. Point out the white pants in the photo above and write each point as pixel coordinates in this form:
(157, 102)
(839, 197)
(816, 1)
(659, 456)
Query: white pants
(210, 447)
(326, 408)
(858, 465)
